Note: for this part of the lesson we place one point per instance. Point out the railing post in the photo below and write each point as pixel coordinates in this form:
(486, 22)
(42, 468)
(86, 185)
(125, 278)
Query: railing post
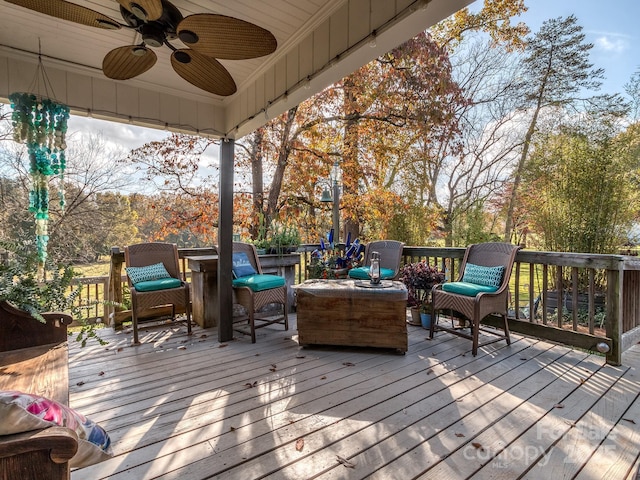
(615, 289)
(115, 286)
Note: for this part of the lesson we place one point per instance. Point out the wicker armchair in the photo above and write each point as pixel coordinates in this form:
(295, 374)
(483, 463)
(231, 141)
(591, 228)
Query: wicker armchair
(390, 256)
(476, 308)
(253, 301)
(144, 254)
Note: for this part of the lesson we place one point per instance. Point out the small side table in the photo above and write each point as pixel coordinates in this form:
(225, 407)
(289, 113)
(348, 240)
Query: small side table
(204, 289)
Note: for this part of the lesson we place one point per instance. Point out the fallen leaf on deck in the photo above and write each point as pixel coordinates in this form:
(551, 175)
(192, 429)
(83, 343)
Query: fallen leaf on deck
(251, 385)
(459, 434)
(204, 335)
(523, 358)
(232, 429)
(273, 365)
(100, 374)
(630, 420)
(300, 356)
(80, 384)
(272, 370)
(571, 424)
(429, 372)
(222, 345)
(119, 349)
(182, 347)
(558, 405)
(299, 444)
(582, 380)
(478, 446)
(323, 378)
(345, 462)
(349, 364)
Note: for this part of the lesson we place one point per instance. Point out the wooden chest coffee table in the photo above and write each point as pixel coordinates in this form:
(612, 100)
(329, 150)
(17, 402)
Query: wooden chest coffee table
(348, 312)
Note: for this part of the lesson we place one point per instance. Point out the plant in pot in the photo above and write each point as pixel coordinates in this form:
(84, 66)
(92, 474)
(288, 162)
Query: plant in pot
(26, 286)
(419, 278)
(283, 239)
(261, 242)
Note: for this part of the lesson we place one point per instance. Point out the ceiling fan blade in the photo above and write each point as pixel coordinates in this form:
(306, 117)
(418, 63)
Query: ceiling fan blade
(126, 62)
(225, 37)
(69, 11)
(147, 10)
(204, 72)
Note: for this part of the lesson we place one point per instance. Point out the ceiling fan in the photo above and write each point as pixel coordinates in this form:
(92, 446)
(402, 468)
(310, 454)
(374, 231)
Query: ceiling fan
(207, 36)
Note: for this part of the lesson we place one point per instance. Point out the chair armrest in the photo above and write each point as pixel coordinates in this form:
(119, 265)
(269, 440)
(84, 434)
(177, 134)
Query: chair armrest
(61, 442)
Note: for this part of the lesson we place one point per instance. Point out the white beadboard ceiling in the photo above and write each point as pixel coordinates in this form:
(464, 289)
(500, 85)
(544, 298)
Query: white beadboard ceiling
(319, 42)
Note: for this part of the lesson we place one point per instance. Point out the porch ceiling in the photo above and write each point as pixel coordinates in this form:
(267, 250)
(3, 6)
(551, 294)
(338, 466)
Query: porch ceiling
(319, 42)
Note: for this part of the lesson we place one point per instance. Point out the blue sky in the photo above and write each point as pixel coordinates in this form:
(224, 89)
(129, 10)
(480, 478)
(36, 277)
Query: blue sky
(612, 27)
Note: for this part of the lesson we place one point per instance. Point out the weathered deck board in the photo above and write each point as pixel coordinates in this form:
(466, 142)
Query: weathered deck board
(189, 408)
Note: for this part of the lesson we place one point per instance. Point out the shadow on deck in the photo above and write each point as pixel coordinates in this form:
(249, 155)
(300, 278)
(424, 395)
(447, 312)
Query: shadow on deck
(190, 408)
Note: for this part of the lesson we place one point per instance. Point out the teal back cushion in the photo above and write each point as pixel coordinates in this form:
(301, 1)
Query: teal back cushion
(147, 273)
(241, 265)
(490, 276)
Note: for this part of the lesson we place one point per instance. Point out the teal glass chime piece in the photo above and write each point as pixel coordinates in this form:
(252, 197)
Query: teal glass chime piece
(41, 124)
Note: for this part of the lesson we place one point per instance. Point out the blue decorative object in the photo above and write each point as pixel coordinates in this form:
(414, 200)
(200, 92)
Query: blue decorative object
(330, 260)
(41, 124)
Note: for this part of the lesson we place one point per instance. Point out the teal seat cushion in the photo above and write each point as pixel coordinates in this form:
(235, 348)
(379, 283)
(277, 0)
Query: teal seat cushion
(362, 273)
(468, 289)
(259, 282)
(160, 284)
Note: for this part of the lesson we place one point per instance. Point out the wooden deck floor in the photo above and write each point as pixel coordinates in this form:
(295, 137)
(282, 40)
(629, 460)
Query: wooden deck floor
(185, 408)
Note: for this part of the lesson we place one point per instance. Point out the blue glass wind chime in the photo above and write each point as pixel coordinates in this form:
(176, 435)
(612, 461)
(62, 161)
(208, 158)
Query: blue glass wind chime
(41, 123)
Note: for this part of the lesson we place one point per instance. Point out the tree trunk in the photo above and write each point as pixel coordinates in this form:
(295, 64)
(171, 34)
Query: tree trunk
(257, 180)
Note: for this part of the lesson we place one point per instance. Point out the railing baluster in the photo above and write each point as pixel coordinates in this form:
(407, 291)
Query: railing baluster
(574, 297)
(531, 292)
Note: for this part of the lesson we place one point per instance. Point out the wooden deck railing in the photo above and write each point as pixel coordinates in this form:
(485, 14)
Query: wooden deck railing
(572, 298)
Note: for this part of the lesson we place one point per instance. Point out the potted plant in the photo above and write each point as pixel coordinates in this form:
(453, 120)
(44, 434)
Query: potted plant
(27, 286)
(419, 279)
(283, 239)
(261, 242)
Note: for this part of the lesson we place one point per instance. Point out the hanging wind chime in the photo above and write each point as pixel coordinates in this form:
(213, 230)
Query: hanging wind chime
(41, 123)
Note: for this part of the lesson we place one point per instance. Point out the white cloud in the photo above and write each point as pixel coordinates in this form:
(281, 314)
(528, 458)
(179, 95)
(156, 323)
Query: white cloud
(612, 43)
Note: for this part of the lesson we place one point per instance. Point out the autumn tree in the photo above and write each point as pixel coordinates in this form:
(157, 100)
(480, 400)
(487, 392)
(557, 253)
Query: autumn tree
(176, 168)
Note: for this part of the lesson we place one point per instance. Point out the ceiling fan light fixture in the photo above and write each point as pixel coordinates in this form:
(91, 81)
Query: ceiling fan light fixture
(182, 57)
(152, 35)
(138, 11)
(139, 51)
(187, 36)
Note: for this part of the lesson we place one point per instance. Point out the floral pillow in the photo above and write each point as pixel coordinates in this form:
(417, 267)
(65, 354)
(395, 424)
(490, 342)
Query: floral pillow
(22, 412)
